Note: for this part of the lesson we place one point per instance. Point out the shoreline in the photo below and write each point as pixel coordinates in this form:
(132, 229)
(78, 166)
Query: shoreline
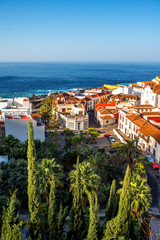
(46, 92)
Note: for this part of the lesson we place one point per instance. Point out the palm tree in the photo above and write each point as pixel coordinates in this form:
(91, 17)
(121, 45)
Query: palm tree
(48, 171)
(45, 112)
(68, 133)
(88, 151)
(128, 150)
(89, 180)
(103, 168)
(77, 141)
(140, 195)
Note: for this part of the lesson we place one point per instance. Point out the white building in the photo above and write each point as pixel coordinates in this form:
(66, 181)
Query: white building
(151, 95)
(123, 89)
(10, 107)
(72, 116)
(133, 126)
(18, 127)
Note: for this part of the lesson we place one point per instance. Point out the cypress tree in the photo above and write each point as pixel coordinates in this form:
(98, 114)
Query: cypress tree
(119, 227)
(93, 223)
(33, 199)
(111, 208)
(55, 221)
(10, 225)
(52, 212)
(77, 212)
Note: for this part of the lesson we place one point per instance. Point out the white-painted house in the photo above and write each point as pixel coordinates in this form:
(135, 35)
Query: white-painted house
(151, 95)
(18, 127)
(72, 116)
(122, 89)
(133, 126)
(18, 106)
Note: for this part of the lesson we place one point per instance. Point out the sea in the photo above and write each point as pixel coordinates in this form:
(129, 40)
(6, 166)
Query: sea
(25, 79)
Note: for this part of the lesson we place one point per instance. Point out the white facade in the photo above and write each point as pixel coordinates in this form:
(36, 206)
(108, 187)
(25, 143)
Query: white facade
(155, 149)
(5, 102)
(149, 97)
(19, 128)
(18, 106)
(72, 116)
(131, 127)
(123, 89)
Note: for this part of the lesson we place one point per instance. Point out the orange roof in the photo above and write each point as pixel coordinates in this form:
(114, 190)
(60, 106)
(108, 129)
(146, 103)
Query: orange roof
(142, 106)
(149, 82)
(133, 117)
(71, 99)
(106, 117)
(25, 117)
(151, 113)
(94, 96)
(103, 111)
(110, 104)
(139, 122)
(149, 130)
(36, 115)
(156, 88)
(102, 94)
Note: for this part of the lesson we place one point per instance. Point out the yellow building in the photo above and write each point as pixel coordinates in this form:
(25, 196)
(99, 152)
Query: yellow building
(112, 87)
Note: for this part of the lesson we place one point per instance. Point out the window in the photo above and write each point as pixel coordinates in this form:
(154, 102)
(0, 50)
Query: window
(107, 121)
(85, 125)
(155, 144)
(154, 152)
(126, 121)
(71, 124)
(68, 109)
(152, 98)
(80, 113)
(63, 109)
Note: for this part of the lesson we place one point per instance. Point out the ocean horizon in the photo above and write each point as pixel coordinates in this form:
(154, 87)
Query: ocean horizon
(27, 78)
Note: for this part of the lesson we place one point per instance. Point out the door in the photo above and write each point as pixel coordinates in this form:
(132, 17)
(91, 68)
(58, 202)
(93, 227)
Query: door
(79, 126)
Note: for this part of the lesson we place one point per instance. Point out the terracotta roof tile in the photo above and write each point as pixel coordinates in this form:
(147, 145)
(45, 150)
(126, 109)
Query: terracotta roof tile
(106, 117)
(149, 130)
(133, 117)
(151, 113)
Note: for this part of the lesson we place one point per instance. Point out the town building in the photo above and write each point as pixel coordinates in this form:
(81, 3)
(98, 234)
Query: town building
(72, 116)
(106, 113)
(17, 126)
(123, 100)
(151, 95)
(14, 107)
(122, 90)
(136, 126)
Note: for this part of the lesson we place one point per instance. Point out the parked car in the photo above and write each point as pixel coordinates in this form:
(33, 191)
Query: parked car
(149, 158)
(155, 165)
(76, 132)
(107, 135)
(112, 140)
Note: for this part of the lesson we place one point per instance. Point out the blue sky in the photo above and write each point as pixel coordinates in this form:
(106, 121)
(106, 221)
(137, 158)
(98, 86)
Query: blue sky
(80, 30)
